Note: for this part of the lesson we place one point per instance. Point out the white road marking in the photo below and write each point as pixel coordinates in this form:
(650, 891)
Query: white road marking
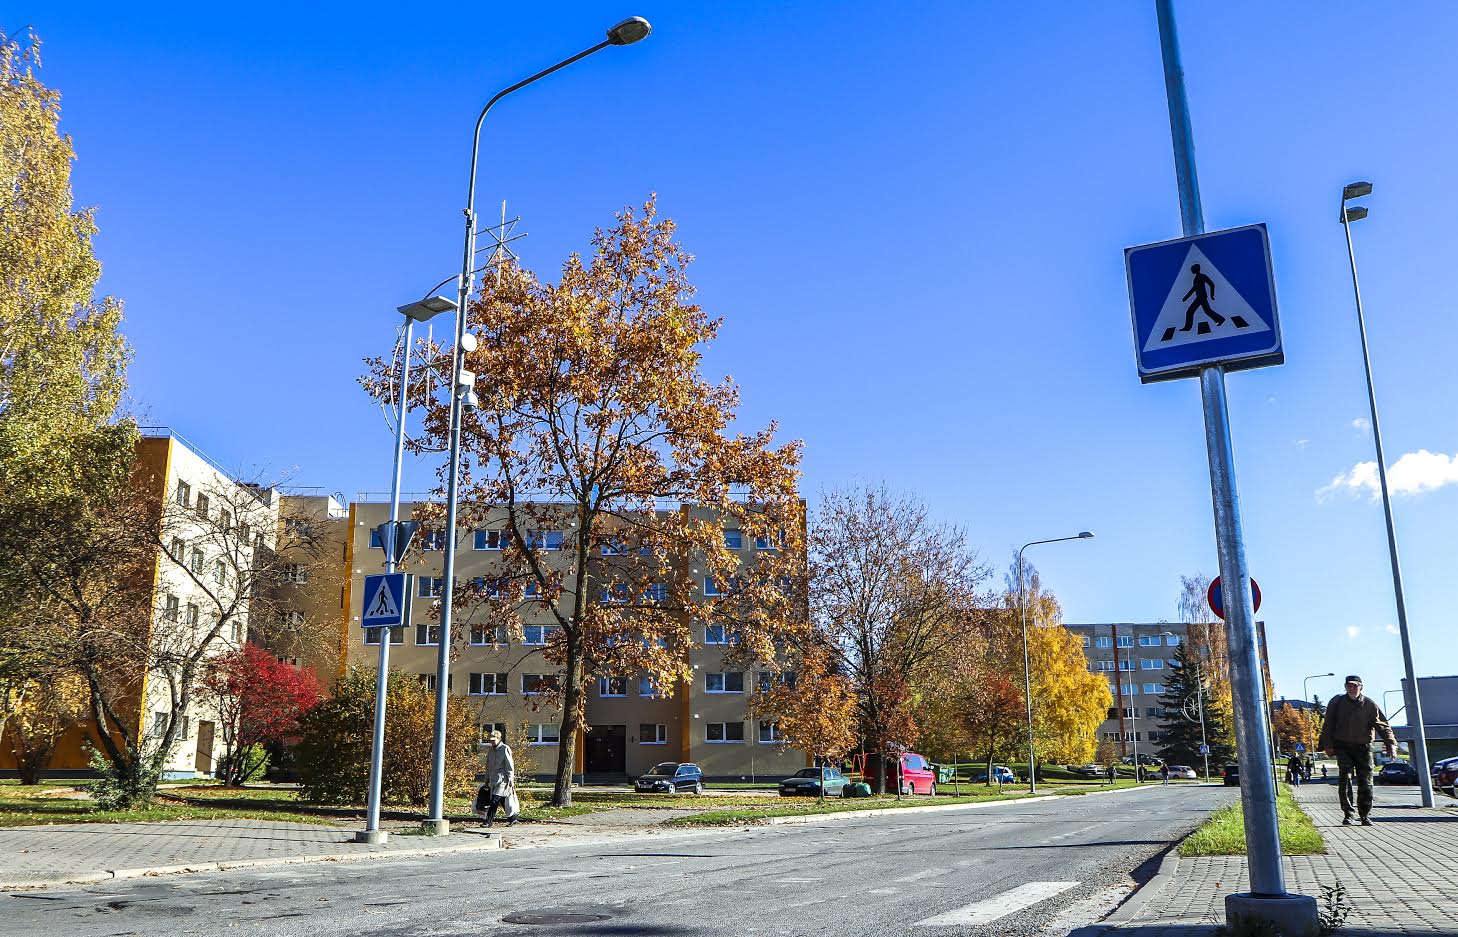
(924, 873)
(999, 906)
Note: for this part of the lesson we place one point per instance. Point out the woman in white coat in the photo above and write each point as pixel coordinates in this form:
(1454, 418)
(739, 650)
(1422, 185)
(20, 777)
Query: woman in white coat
(500, 779)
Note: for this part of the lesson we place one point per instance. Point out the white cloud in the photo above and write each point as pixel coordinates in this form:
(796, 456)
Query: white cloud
(1353, 631)
(1302, 443)
(1390, 629)
(1360, 423)
(1412, 474)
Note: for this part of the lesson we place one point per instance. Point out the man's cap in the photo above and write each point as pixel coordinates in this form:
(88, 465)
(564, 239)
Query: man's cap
(1353, 678)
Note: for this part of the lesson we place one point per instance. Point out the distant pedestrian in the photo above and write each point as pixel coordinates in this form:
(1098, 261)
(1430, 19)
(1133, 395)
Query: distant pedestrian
(499, 791)
(1323, 772)
(1293, 770)
(1352, 722)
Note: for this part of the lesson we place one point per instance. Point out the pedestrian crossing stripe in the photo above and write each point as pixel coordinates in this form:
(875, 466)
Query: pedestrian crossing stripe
(1189, 315)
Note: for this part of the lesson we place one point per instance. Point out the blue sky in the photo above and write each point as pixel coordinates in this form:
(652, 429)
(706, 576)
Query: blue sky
(913, 220)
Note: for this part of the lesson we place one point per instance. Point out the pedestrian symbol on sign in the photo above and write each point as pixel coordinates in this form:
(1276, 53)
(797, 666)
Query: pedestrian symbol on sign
(1192, 313)
(383, 604)
(384, 599)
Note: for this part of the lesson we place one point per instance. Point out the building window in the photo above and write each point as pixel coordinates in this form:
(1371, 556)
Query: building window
(1125, 641)
(427, 635)
(718, 634)
(429, 679)
(1149, 640)
(727, 682)
(1128, 689)
(770, 543)
(656, 593)
(733, 539)
(1106, 665)
(184, 494)
(170, 608)
(769, 679)
(397, 635)
(195, 561)
(429, 587)
(488, 684)
(486, 728)
(711, 588)
(488, 540)
(615, 594)
(225, 519)
(179, 550)
(243, 536)
(1172, 640)
(294, 572)
(432, 539)
(1151, 663)
(1125, 665)
(1103, 641)
(1131, 712)
(1154, 689)
(651, 734)
(612, 686)
(376, 541)
(482, 635)
(220, 573)
(542, 734)
(723, 731)
(539, 635)
(201, 506)
(1085, 640)
(647, 688)
(614, 547)
(545, 539)
(769, 732)
(191, 618)
(1151, 711)
(533, 684)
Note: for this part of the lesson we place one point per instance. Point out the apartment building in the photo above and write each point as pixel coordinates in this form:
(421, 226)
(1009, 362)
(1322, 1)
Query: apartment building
(634, 724)
(1137, 658)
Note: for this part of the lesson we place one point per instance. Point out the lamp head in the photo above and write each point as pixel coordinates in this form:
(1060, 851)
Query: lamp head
(1085, 535)
(631, 30)
(427, 309)
(1356, 190)
(1355, 213)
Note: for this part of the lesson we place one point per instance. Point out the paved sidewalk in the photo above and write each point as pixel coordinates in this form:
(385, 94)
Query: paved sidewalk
(31, 856)
(1398, 873)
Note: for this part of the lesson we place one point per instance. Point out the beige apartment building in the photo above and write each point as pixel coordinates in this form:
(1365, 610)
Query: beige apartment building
(1137, 657)
(633, 727)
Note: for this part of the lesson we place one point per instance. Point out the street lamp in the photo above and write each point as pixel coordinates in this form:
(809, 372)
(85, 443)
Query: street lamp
(627, 32)
(1305, 695)
(394, 533)
(1027, 669)
(1419, 741)
(1385, 711)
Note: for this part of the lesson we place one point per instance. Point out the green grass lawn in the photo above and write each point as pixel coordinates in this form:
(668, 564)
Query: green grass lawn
(1224, 833)
(37, 805)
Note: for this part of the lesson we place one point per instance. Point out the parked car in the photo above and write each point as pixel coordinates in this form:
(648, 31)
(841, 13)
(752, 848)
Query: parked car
(1089, 771)
(1397, 772)
(916, 773)
(806, 783)
(1437, 767)
(1176, 772)
(671, 777)
(1001, 774)
(1143, 759)
(1232, 774)
(1448, 777)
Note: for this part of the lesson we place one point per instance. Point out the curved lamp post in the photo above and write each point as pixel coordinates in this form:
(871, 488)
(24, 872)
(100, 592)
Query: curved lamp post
(1027, 669)
(629, 31)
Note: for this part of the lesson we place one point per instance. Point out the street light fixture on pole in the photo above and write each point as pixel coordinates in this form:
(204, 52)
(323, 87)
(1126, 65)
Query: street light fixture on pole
(393, 541)
(1305, 696)
(1389, 714)
(1027, 668)
(629, 31)
(1419, 741)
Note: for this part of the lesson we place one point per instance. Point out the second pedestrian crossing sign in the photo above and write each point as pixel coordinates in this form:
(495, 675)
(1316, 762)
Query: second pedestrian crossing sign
(1208, 299)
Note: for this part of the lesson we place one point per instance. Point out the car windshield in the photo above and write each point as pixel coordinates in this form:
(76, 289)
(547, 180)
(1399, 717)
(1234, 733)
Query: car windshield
(667, 768)
(811, 773)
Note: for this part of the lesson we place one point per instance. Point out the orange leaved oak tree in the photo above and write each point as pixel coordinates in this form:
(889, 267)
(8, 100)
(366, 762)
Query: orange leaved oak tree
(603, 465)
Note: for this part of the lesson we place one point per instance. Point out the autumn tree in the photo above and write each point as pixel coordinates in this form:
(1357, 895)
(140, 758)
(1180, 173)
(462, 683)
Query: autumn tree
(43, 706)
(1069, 702)
(892, 592)
(605, 462)
(259, 701)
(1295, 726)
(815, 713)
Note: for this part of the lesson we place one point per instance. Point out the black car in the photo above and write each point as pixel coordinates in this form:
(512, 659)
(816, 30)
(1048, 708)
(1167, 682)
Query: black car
(1397, 772)
(671, 777)
(1232, 775)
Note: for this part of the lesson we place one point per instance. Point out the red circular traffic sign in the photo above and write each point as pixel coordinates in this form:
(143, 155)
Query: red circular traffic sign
(1217, 601)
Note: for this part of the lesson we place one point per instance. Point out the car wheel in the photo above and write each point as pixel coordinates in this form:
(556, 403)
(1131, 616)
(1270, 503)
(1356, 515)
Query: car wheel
(698, 787)
(905, 788)
(933, 789)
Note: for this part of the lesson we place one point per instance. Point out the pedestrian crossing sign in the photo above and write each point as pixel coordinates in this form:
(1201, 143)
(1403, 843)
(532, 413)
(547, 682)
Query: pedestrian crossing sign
(384, 599)
(1208, 299)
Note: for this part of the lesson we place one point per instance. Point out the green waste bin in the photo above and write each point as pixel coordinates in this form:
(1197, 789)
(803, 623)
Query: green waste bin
(945, 773)
(858, 789)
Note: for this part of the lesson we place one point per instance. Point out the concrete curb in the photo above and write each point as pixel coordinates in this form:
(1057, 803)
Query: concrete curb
(931, 808)
(106, 875)
(1169, 867)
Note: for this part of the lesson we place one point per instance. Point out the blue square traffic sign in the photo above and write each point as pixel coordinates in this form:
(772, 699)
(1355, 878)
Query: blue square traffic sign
(1208, 299)
(384, 601)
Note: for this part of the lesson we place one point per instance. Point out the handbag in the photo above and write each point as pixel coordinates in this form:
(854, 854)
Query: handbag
(483, 799)
(513, 804)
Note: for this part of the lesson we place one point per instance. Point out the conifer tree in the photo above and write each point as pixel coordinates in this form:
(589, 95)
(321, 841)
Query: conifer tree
(1180, 744)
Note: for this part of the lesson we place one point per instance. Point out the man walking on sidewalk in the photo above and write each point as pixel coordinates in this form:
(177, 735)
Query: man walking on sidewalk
(1352, 722)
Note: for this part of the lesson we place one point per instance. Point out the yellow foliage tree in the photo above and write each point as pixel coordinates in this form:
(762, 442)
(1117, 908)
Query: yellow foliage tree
(42, 710)
(815, 713)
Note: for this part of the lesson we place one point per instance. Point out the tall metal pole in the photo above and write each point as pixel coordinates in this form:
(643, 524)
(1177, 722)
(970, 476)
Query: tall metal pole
(1200, 704)
(437, 823)
(372, 833)
(1027, 680)
(1258, 788)
(1419, 744)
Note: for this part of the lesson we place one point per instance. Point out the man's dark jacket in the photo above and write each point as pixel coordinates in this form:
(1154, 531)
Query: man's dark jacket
(1354, 722)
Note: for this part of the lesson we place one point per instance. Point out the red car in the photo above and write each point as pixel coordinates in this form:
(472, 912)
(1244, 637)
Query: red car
(911, 771)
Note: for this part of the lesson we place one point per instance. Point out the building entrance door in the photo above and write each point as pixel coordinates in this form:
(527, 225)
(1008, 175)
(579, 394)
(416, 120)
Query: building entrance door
(203, 763)
(606, 750)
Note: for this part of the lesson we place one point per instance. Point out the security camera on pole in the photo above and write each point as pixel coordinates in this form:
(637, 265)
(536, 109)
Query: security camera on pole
(1203, 305)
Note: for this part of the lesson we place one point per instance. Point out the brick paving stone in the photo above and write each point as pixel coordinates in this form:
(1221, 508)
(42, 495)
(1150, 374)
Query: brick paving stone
(1397, 873)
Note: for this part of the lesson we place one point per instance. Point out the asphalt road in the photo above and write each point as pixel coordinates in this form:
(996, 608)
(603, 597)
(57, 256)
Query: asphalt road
(1041, 867)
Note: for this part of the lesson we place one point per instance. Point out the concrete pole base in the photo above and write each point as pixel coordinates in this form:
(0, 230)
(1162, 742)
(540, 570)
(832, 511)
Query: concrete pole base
(435, 827)
(372, 837)
(1291, 915)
